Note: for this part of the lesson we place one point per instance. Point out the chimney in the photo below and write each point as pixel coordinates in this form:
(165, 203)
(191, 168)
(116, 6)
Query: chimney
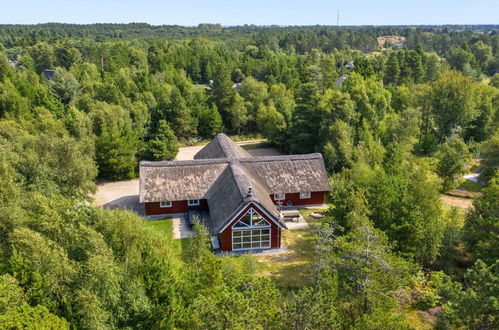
(250, 191)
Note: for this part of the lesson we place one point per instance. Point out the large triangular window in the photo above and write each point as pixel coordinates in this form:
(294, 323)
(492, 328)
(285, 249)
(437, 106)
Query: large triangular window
(252, 219)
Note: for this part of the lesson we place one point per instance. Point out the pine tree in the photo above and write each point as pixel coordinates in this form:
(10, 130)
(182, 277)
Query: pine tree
(223, 92)
(164, 144)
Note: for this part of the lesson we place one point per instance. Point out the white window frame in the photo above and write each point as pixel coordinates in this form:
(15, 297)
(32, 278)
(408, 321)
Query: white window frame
(279, 196)
(305, 195)
(193, 202)
(165, 204)
(255, 236)
(249, 232)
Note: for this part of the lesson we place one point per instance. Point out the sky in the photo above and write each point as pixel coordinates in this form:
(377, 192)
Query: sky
(259, 12)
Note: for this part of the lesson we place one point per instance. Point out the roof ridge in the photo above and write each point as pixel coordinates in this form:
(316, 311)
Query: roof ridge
(226, 147)
(242, 182)
(188, 162)
(209, 161)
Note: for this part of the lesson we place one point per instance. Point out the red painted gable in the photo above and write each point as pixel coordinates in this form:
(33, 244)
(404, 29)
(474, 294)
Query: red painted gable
(225, 237)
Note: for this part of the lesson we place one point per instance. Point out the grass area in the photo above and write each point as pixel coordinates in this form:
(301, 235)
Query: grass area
(294, 268)
(416, 321)
(164, 228)
(471, 186)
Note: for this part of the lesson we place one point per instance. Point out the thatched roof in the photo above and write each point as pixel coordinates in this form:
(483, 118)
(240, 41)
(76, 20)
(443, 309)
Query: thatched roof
(221, 147)
(230, 182)
(231, 192)
(289, 174)
(178, 180)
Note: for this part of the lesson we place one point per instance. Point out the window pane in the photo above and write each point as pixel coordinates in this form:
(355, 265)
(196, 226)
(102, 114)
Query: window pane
(256, 217)
(237, 239)
(236, 233)
(256, 232)
(305, 195)
(261, 223)
(237, 246)
(247, 239)
(265, 244)
(265, 231)
(265, 238)
(255, 244)
(247, 245)
(244, 222)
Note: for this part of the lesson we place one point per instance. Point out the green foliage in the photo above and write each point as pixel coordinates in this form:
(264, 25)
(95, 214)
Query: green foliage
(122, 92)
(452, 157)
(64, 86)
(453, 103)
(210, 122)
(490, 153)
(482, 224)
(116, 142)
(163, 145)
(476, 305)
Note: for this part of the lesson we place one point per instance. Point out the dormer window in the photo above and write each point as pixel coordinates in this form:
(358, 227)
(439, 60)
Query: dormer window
(305, 195)
(193, 202)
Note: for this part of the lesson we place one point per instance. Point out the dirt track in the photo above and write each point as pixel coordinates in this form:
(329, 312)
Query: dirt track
(464, 203)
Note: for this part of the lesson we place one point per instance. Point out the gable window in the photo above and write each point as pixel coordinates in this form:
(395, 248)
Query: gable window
(305, 195)
(279, 196)
(193, 202)
(252, 231)
(165, 204)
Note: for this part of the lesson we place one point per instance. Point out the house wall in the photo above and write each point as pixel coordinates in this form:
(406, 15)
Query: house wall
(316, 198)
(226, 236)
(177, 207)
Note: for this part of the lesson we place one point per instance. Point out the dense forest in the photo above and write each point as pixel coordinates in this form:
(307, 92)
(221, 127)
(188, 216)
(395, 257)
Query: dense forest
(397, 125)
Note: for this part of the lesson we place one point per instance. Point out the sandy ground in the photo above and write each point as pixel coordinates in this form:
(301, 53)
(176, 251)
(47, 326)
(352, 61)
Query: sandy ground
(119, 194)
(125, 194)
(464, 203)
(187, 153)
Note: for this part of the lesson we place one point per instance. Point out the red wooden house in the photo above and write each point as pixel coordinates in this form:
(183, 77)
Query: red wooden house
(241, 193)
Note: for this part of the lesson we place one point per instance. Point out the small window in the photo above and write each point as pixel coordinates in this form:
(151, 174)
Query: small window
(165, 204)
(279, 197)
(305, 195)
(193, 202)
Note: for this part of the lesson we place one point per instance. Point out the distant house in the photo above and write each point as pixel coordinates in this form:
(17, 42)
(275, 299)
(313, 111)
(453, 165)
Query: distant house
(241, 195)
(49, 74)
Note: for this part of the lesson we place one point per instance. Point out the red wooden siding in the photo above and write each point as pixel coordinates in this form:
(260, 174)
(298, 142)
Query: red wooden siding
(226, 235)
(316, 198)
(177, 207)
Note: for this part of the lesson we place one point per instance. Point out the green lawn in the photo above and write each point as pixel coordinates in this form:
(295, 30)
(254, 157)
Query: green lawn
(471, 186)
(164, 228)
